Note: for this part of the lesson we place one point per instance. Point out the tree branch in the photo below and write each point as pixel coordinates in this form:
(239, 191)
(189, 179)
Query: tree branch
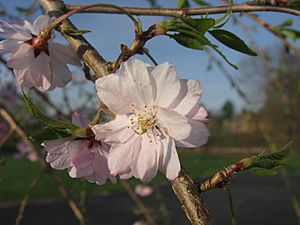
(83, 48)
(254, 6)
(191, 202)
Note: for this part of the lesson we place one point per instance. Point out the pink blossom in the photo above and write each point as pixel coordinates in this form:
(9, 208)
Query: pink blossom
(25, 151)
(143, 190)
(82, 157)
(35, 61)
(140, 222)
(155, 111)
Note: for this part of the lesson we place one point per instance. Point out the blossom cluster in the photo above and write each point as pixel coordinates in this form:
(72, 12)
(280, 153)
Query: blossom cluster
(154, 111)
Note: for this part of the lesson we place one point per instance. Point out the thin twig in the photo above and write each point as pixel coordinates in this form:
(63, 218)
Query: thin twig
(270, 27)
(6, 136)
(139, 203)
(24, 201)
(174, 12)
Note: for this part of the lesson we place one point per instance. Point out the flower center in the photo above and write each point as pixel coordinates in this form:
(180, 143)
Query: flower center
(145, 121)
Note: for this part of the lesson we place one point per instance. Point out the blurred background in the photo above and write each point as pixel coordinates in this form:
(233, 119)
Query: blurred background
(252, 108)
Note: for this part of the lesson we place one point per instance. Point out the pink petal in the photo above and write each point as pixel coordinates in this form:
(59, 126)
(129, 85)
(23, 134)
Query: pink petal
(120, 156)
(100, 167)
(135, 78)
(198, 137)
(61, 75)
(41, 73)
(198, 112)
(147, 163)
(14, 31)
(177, 125)
(76, 172)
(114, 131)
(40, 23)
(64, 53)
(169, 162)
(21, 58)
(143, 190)
(9, 45)
(190, 93)
(23, 78)
(109, 93)
(168, 85)
(58, 153)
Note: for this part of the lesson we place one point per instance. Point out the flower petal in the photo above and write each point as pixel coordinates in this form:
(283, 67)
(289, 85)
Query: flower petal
(167, 83)
(58, 153)
(198, 137)
(198, 112)
(120, 156)
(41, 73)
(114, 131)
(169, 162)
(61, 75)
(190, 93)
(177, 125)
(147, 163)
(136, 80)
(9, 45)
(14, 31)
(40, 23)
(21, 58)
(23, 78)
(108, 92)
(64, 53)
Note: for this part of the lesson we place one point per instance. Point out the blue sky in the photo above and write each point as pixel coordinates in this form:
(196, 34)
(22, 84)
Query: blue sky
(109, 31)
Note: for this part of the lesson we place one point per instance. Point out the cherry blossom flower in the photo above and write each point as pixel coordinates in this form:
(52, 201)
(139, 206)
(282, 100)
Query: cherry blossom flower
(82, 157)
(35, 60)
(143, 190)
(155, 111)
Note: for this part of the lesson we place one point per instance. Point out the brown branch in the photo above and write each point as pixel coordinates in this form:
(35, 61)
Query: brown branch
(6, 136)
(79, 214)
(236, 8)
(191, 202)
(139, 203)
(83, 48)
(221, 178)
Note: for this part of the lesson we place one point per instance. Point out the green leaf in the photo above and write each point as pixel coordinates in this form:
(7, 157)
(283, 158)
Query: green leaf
(294, 4)
(232, 41)
(183, 4)
(187, 41)
(267, 163)
(201, 3)
(287, 23)
(70, 31)
(64, 126)
(48, 134)
(224, 57)
(201, 25)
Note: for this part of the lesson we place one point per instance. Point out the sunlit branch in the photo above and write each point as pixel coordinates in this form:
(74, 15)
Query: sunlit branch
(236, 8)
(83, 48)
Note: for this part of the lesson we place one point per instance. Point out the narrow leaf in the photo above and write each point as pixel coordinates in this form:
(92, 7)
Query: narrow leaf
(232, 41)
(73, 32)
(64, 126)
(187, 41)
(201, 25)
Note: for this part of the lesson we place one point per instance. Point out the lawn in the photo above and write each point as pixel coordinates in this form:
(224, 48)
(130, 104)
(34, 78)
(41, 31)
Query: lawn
(16, 176)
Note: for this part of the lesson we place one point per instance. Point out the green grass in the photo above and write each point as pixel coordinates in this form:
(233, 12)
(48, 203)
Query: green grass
(16, 176)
